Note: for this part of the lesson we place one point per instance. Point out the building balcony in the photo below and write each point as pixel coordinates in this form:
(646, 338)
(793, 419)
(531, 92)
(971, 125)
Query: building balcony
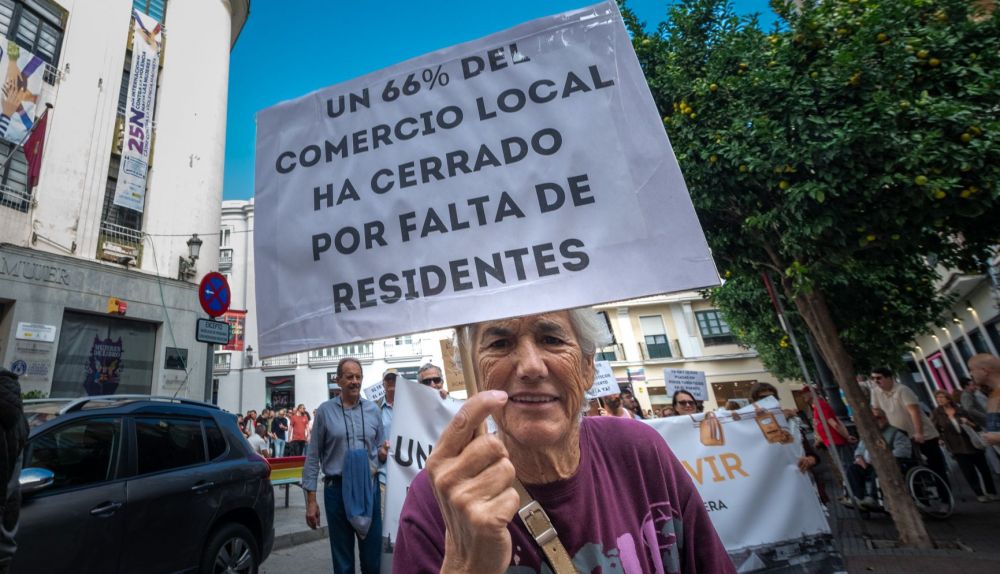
(614, 352)
(655, 351)
(280, 362)
(225, 259)
(18, 200)
(119, 244)
(222, 363)
(402, 351)
(333, 355)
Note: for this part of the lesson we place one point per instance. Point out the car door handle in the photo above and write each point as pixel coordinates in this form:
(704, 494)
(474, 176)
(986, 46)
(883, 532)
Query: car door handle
(201, 487)
(106, 509)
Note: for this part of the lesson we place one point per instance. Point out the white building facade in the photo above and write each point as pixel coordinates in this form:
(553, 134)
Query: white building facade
(245, 382)
(96, 297)
(939, 358)
(682, 331)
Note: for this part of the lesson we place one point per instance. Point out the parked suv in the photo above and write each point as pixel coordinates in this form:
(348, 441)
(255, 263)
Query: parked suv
(141, 484)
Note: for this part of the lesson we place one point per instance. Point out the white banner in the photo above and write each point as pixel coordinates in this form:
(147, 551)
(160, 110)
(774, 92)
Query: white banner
(130, 190)
(690, 381)
(766, 511)
(604, 381)
(22, 86)
(419, 418)
(530, 166)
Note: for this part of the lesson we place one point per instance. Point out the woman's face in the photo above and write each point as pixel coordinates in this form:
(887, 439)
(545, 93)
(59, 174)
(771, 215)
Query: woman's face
(942, 400)
(686, 404)
(538, 362)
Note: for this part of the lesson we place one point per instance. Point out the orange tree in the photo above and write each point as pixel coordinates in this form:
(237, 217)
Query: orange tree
(839, 151)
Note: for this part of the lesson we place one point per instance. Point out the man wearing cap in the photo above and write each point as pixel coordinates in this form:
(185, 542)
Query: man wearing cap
(430, 376)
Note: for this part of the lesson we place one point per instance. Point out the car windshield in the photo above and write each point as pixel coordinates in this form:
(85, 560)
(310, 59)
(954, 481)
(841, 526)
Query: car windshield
(38, 412)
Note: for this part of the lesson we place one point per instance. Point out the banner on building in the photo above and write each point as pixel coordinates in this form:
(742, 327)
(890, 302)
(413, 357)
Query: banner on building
(237, 329)
(692, 382)
(766, 511)
(530, 166)
(22, 87)
(130, 190)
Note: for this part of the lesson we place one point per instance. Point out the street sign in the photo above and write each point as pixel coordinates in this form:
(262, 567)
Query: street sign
(213, 294)
(209, 331)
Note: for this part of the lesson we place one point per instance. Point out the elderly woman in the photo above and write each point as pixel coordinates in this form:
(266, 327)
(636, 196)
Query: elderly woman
(951, 421)
(459, 514)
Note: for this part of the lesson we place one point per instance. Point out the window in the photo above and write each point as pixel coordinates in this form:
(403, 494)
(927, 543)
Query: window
(714, 330)
(37, 27)
(224, 235)
(155, 8)
(407, 340)
(216, 442)
(166, 443)
(103, 355)
(79, 453)
(655, 336)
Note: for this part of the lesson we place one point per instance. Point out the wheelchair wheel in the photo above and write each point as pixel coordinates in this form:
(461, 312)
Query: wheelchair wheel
(930, 492)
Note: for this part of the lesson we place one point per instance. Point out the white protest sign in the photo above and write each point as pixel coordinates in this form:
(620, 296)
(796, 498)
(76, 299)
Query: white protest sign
(530, 166)
(419, 418)
(690, 381)
(374, 392)
(604, 381)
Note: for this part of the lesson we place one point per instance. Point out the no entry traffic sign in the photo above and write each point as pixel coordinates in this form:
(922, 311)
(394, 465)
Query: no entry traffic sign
(213, 294)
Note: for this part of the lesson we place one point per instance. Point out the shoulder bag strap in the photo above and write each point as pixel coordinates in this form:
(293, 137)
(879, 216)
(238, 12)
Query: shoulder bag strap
(543, 531)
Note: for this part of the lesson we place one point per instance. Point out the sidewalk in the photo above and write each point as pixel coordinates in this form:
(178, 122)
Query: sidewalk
(290, 528)
(969, 540)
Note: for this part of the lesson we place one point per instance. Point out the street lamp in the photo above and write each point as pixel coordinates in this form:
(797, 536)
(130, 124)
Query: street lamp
(186, 269)
(249, 355)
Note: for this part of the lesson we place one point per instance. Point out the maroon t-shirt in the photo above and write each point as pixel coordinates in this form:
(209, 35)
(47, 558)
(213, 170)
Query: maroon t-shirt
(630, 508)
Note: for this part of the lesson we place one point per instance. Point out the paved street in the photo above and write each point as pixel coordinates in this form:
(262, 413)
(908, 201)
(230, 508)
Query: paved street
(305, 558)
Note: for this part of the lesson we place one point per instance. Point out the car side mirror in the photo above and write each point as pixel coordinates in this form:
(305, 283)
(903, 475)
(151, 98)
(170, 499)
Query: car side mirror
(34, 479)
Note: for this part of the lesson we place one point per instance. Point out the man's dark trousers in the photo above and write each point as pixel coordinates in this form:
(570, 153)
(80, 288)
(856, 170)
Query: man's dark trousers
(342, 534)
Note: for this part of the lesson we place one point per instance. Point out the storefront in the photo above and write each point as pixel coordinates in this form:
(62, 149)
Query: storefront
(72, 327)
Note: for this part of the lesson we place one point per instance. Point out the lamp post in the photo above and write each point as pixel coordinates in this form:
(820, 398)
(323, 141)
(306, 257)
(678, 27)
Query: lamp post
(186, 266)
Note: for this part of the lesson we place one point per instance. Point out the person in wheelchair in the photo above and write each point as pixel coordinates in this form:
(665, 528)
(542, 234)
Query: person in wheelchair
(861, 474)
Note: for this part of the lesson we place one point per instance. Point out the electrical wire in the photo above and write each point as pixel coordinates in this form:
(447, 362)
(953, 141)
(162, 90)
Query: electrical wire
(166, 315)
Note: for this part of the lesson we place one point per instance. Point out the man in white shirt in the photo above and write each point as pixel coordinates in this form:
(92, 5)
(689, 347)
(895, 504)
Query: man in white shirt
(258, 442)
(902, 408)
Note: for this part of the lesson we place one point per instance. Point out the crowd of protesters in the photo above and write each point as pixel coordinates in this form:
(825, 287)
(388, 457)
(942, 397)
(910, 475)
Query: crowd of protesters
(278, 432)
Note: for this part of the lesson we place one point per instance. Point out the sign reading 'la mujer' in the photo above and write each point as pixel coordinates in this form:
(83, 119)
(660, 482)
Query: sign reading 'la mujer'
(530, 167)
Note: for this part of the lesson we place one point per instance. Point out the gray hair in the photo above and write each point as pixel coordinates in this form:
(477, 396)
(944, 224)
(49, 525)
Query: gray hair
(427, 367)
(591, 333)
(344, 361)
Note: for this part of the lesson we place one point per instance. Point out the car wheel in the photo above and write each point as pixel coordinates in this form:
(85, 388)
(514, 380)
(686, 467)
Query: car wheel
(231, 549)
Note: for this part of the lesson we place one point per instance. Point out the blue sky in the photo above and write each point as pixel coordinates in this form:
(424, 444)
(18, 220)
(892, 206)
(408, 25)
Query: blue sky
(289, 48)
